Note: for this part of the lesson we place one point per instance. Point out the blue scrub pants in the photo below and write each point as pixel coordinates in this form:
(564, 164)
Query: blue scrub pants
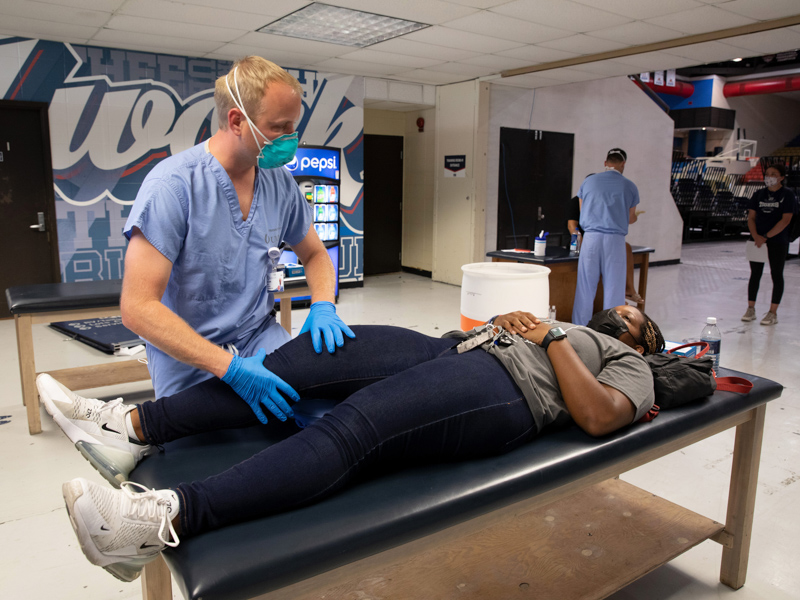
(404, 398)
(601, 254)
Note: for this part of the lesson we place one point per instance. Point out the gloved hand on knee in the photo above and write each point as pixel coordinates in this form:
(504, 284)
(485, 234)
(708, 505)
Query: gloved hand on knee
(323, 320)
(257, 385)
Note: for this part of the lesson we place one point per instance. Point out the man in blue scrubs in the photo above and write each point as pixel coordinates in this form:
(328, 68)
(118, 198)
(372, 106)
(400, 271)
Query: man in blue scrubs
(608, 202)
(197, 264)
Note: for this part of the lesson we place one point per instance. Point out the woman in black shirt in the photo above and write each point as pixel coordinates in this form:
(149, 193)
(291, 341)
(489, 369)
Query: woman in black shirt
(769, 214)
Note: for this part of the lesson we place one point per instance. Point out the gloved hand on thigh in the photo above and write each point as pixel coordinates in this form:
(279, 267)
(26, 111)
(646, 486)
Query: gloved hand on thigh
(257, 385)
(322, 321)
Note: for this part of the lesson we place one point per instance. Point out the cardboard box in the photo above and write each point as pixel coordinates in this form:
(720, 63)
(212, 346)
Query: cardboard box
(683, 352)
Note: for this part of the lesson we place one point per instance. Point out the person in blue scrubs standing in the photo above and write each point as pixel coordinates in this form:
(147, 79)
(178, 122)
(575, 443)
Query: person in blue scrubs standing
(197, 264)
(608, 202)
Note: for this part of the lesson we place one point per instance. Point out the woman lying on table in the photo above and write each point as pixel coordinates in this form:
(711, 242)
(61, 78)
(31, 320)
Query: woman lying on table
(403, 398)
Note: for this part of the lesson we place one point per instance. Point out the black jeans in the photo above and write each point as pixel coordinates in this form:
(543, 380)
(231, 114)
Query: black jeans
(404, 397)
(776, 253)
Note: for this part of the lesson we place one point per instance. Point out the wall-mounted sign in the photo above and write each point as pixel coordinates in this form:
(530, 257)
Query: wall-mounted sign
(671, 78)
(658, 78)
(455, 165)
(645, 77)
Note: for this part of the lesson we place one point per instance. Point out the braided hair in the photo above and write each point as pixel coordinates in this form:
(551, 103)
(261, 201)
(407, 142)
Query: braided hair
(651, 335)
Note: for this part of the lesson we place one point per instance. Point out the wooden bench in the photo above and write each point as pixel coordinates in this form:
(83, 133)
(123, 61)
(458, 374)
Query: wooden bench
(550, 516)
(48, 302)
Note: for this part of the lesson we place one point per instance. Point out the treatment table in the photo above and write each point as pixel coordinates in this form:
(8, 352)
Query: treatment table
(48, 302)
(549, 520)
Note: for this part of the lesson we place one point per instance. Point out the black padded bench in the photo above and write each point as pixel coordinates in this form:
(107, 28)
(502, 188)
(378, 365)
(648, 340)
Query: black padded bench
(48, 302)
(478, 529)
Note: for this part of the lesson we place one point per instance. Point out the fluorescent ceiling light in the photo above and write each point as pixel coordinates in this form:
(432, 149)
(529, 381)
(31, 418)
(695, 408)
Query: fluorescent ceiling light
(343, 26)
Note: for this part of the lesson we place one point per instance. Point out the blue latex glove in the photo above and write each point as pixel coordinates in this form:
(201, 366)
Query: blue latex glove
(256, 385)
(323, 320)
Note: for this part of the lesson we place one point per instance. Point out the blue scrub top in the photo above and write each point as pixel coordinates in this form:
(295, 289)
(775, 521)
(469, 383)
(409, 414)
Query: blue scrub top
(187, 208)
(607, 200)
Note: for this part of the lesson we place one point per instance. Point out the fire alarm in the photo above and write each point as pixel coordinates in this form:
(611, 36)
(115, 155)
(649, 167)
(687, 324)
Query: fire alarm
(421, 124)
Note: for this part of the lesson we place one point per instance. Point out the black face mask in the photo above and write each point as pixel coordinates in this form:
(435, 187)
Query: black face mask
(609, 323)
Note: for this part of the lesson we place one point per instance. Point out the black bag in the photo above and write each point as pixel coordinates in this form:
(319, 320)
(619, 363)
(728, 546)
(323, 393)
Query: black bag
(678, 380)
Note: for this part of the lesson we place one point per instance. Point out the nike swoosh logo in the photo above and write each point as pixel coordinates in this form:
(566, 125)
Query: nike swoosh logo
(104, 528)
(145, 545)
(107, 428)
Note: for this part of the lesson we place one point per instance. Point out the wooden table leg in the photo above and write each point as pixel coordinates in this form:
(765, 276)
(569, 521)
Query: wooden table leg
(27, 371)
(643, 268)
(156, 580)
(742, 498)
(286, 314)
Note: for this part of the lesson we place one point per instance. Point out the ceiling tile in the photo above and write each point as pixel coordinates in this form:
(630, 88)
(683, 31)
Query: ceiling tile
(284, 59)
(529, 80)
(201, 15)
(55, 13)
(452, 38)
(539, 54)
(634, 34)
(46, 30)
(433, 77)
(563, 14)
(467, 71)
(763, 10)
(767, 42)
(642, 9)
(354, 67)
(656, 61)
(141, 41)
(408, 47)
(701, 20)
(496, 62)
(169, 28)
(584, 44)
(291, 44)
(503, 27)
(390, 58)
(101, 5)
(432, 12)
(273, 8)
(477, 3)
(707, 52)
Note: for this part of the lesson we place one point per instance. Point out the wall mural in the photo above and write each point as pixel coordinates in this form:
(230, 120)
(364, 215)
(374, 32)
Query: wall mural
(114, 114)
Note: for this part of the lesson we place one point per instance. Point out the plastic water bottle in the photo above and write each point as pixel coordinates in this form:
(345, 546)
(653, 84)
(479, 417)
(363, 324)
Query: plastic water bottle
(713, 337)
(552, 314)
(573, 244)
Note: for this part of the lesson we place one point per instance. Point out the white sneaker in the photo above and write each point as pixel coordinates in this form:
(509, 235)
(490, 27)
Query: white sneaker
(96, 428)
(121, 530)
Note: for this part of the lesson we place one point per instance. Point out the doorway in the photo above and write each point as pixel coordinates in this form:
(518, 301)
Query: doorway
(535, 186)
(28, 242)
(383, 203)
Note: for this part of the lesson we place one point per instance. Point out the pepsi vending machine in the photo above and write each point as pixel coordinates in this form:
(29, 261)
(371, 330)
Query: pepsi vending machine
(316, 171)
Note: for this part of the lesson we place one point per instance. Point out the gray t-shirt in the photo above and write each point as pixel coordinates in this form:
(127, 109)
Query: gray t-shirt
(609, 360)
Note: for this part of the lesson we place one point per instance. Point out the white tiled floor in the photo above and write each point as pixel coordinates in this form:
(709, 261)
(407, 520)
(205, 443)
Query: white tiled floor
(40, 559)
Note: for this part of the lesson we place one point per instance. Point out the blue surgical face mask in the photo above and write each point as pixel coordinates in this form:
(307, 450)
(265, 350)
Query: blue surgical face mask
(274, 153)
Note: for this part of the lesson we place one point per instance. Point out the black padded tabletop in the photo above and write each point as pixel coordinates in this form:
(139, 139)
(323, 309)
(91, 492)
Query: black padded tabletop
(553, 255)
(47, 297)
(256, 557)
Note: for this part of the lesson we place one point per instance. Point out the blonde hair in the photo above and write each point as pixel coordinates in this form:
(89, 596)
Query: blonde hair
(253, 76)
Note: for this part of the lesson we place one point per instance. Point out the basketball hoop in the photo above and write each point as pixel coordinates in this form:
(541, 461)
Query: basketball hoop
(753, 160)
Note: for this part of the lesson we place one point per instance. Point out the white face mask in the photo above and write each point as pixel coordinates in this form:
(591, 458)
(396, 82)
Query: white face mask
(610, 168)
(770, 181)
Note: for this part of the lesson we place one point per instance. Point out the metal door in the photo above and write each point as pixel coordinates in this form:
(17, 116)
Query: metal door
(383, 203)
(28, 243)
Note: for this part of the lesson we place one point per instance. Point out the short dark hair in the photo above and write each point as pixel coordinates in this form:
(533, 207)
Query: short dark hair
(779, 167)
(616, 155)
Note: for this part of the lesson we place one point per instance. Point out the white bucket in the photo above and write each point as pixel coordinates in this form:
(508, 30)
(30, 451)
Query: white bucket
(489, 289)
